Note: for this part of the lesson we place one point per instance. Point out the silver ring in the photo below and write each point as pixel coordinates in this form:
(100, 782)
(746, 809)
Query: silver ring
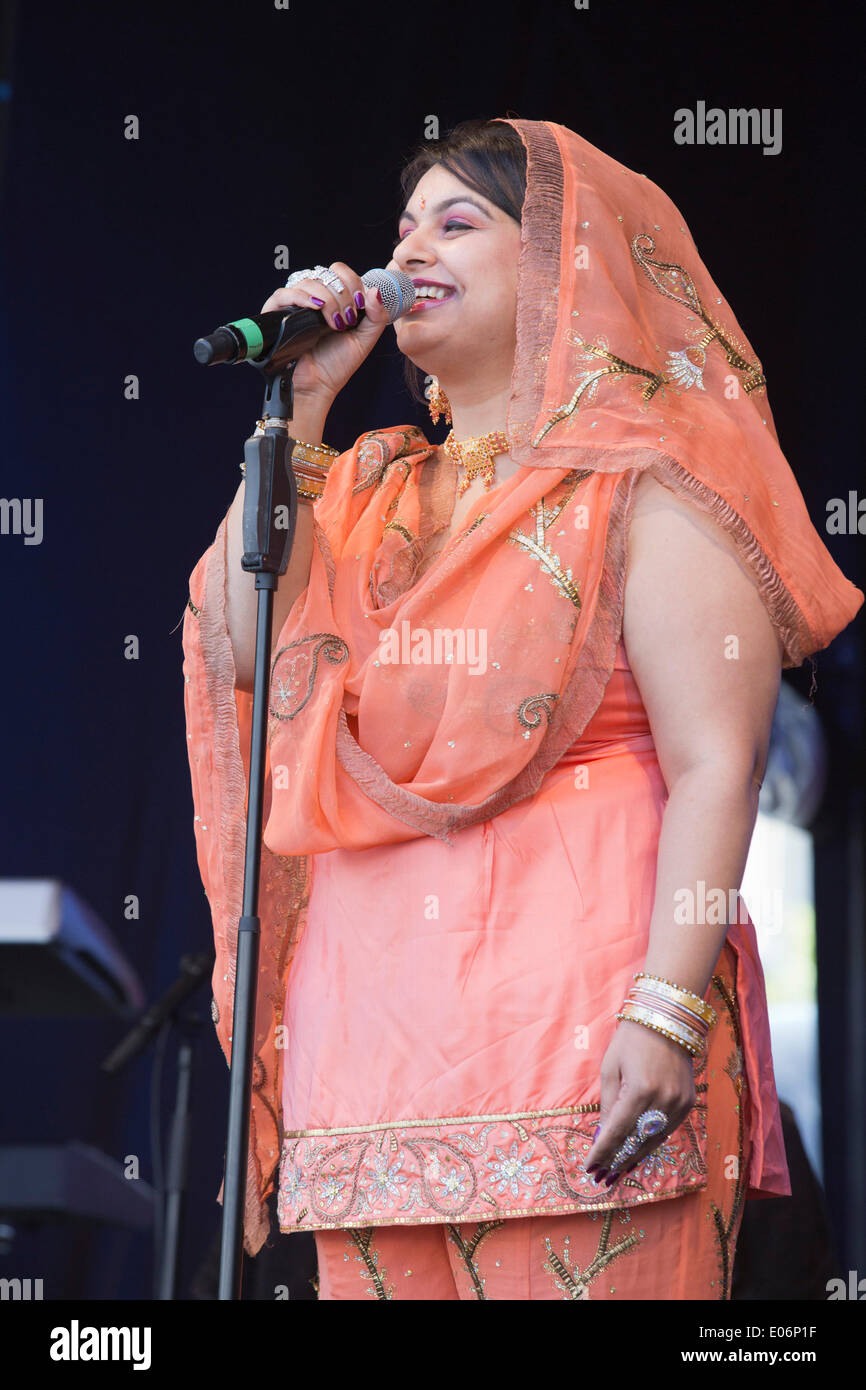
(320, 273)
(652, 1122)
(330, 278)
(649, 1124)
(299, 275)
(628, 1147)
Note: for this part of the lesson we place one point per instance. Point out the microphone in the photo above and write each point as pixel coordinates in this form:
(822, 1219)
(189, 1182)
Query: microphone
(252, 339)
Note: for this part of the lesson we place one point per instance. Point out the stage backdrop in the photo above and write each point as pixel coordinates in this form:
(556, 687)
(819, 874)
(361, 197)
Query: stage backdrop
(157, 155)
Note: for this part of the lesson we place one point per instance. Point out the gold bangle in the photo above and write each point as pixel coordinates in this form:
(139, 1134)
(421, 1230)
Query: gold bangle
(307, 487)
(310, 477)
(644, 1023)
(677, 1033)
(312, 470)
(680, 995)
(683, 1031)
(319, 456)
(695, 1035)
(306, 484)
(308, 453)
(319, 448)
(674, 1028)
(648, 999)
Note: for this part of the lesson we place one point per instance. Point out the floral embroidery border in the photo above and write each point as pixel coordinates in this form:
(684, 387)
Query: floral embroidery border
(471, 1168)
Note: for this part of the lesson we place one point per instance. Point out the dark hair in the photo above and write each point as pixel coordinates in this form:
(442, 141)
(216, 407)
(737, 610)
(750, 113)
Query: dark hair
(488, 156)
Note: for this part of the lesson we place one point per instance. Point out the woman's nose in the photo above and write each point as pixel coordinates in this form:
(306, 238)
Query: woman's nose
(412, 250)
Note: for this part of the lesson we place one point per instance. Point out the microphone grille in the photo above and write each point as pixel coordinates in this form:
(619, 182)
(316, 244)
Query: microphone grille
(398, 292)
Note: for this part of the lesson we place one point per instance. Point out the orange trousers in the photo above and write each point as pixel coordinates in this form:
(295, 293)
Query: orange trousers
(676, 1248)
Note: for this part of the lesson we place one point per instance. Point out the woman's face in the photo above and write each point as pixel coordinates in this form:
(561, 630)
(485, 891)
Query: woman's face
(452, 237)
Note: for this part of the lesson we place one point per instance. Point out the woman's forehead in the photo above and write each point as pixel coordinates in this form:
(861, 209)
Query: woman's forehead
(437, 184)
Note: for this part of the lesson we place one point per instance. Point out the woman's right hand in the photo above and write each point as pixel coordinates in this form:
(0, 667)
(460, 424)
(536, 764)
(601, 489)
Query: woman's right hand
(322, 372)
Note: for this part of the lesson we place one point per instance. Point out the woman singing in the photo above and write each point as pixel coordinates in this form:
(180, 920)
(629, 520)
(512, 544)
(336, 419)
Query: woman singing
(511, 1034)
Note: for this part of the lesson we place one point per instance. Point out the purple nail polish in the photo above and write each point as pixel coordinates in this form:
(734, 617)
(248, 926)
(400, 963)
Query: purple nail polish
(351, 316)
(609, 1182)
(338, 321)
(318, 302)
(359, 299)
(600, 1175)
(597, 1132)
(592, 1167)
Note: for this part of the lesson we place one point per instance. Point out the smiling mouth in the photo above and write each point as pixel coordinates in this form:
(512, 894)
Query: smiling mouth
(431, 300)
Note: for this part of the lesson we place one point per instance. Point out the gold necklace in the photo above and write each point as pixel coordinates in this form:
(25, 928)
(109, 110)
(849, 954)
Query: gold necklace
(476, 457)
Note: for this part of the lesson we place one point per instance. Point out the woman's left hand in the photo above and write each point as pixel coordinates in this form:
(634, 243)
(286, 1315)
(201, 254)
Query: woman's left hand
(641, 1070)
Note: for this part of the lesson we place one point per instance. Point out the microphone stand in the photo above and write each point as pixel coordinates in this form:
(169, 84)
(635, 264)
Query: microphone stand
(270, 484)
(165, 1012)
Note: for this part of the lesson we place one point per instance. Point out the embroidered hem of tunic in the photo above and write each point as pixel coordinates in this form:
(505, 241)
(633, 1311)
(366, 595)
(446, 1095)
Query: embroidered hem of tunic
(472, 1168)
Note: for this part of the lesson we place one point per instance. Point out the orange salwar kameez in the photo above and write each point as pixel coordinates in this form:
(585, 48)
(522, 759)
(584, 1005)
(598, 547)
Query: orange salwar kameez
(544, 915)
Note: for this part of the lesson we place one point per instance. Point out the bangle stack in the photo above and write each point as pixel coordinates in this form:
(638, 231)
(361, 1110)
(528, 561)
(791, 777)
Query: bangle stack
(669, 1009)
(310, 464)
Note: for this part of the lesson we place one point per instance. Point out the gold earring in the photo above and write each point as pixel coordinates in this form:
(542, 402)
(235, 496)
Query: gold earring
(437, 402)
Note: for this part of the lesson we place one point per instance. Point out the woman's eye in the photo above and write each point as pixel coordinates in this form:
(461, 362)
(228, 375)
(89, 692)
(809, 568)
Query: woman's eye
(451, 223)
